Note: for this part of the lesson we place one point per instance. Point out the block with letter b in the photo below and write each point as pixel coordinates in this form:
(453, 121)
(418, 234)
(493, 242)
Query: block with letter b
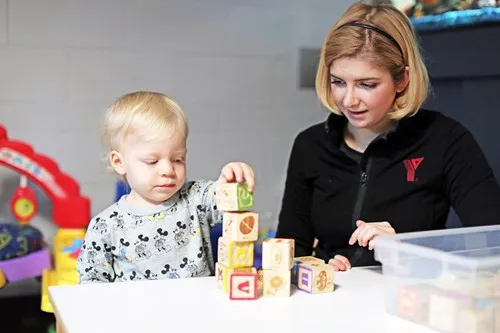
(233, 197)
(243, 286)
(241, 226)
(278, 253)
(235, 254)
(315, 277)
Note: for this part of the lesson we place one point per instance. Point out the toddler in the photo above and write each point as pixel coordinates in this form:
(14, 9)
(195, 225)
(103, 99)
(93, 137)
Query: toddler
(162, 228)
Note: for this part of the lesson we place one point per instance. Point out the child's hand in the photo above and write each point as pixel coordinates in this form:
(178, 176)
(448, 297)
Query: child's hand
(237, 172)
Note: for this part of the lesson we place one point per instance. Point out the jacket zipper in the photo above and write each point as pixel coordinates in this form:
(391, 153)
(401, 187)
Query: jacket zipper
(363, 184)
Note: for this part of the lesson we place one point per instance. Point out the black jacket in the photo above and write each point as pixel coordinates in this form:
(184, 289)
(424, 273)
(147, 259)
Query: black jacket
(409, 177)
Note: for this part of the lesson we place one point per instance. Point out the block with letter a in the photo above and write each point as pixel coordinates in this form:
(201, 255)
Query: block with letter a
(243, 286)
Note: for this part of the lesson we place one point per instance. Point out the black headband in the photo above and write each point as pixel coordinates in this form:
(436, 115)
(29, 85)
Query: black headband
(374, 28)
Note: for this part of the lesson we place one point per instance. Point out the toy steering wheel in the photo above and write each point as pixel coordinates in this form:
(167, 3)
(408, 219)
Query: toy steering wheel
(23, 203)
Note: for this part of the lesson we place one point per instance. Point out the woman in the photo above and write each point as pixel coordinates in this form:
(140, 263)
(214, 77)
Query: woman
(380, 164)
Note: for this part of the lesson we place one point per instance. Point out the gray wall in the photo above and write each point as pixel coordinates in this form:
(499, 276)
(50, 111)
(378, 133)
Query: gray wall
(233, 66)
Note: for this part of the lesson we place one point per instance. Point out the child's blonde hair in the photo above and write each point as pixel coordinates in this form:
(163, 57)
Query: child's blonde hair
(355, 41)
(144, 111)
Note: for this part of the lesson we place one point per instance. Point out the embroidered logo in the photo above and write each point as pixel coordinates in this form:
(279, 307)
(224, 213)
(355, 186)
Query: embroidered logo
(411, 166)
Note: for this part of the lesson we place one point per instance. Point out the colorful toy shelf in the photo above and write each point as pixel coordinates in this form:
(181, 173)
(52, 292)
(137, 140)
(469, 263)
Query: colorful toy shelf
(70, 208)
(71, 213)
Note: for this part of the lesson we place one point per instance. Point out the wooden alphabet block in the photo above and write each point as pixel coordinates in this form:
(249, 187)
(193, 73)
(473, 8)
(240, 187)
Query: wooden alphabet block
(243, 286)
(315, 277)
(235, 254)
(241, 226)
(223, 274)
(305, 259)
(234, 197)
(413, 303)
(260, 280)
(476, 320)
(481, 284)
(299, 260)
(445, 309)
(276, 283)
(278, 253)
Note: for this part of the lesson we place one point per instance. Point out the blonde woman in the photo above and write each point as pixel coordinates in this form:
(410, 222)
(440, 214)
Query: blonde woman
(380, 164)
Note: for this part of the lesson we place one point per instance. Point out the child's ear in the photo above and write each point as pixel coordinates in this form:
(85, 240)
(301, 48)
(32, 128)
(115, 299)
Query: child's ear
(116, 161)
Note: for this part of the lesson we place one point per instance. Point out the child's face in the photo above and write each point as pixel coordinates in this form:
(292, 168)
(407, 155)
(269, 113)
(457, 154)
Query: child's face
(155, 169)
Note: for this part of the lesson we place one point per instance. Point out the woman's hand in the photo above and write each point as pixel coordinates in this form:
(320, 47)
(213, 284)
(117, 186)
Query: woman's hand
(340, 263)
(367, 231)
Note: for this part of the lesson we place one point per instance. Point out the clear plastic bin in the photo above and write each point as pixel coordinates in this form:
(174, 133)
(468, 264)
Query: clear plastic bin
(448, 280)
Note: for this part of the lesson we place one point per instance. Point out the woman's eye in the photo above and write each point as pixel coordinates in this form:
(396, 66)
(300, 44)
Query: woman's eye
(150, 162)
(337, 82)
(369, 85)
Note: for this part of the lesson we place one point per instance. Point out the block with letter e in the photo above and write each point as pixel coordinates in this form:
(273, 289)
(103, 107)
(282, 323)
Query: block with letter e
(299, 260)
(315, 277)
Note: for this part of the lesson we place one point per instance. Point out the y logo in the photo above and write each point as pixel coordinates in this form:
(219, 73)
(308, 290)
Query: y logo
(411, 166)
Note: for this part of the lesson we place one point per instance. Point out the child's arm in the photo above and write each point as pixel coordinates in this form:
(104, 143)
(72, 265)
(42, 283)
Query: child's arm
(208, 202)
(95, 261)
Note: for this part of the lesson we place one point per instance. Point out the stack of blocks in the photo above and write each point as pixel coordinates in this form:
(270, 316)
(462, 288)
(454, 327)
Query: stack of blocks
(234, 267)
(277, 263)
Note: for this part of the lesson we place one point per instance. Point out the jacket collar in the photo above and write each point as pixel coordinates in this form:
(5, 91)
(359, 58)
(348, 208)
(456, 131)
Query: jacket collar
(335, 124)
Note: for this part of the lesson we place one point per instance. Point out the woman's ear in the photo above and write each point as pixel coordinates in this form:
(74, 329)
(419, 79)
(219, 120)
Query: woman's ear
(116, 161)
(401, 85)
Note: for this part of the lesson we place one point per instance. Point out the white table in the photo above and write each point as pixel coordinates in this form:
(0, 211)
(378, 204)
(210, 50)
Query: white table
(196, 305)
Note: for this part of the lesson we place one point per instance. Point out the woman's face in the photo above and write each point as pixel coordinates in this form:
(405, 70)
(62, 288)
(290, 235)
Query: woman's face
(363, 93)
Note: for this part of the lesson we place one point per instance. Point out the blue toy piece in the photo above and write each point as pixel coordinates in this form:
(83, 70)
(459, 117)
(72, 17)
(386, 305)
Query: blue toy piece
(122, 188)
(215, 233)
(18, 240)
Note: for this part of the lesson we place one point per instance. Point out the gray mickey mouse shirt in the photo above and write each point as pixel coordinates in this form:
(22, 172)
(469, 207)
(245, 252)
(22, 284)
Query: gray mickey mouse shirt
(171, 240)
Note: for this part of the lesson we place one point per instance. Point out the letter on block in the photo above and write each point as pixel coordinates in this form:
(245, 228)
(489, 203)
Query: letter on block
(276, 283)
(235, 254)
(233, 197)
(299, 260)
(278, 253)
(243, 286)
(315, 278)
(223, 274)
(241, 226)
